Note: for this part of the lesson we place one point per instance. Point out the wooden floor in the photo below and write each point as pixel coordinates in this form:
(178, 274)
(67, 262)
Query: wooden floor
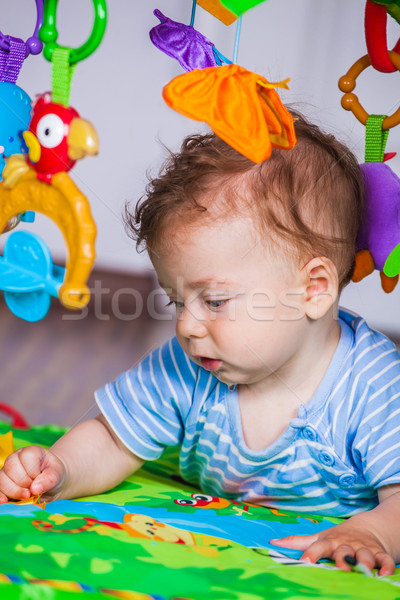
(50, 369)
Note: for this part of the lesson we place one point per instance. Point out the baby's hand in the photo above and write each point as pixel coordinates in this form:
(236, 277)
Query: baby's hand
(348, 538)
(31, 471)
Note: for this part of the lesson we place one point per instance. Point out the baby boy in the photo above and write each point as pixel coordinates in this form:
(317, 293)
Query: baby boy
(274, 395)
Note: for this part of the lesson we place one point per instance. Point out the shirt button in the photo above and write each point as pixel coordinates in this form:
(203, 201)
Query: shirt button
(310, 434)
(326, 458)
(347, 480)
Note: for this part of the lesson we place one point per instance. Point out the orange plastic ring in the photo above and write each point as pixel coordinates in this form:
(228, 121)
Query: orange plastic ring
(350, 101)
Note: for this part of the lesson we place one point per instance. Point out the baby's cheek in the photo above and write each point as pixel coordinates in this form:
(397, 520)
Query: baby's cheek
(291, 306)
(228, 332)
(260, 306)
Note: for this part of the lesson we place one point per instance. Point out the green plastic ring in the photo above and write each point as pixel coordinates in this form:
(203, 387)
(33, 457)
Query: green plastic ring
(48, 33)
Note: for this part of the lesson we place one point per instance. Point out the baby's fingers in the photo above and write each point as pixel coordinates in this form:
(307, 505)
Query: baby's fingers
(21, 470)
(363, 555)
(14, 480)
(333, 551)
(9, 489)
(31, 459)
(319, 549)
(385, 563)
(49, 479)
(297, 542)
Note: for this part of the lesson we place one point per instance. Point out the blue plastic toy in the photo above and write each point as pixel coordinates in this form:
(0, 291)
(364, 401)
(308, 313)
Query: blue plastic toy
(28, 276)
(15, 104)
(15, 114)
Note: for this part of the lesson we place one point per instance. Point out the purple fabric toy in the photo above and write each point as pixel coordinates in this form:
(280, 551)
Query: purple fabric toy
(380, 229)
(190, 48)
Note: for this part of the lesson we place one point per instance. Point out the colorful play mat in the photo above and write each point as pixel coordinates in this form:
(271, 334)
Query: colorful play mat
(154, 537)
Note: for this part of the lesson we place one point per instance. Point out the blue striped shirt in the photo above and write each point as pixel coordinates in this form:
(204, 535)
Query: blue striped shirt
(330, 460)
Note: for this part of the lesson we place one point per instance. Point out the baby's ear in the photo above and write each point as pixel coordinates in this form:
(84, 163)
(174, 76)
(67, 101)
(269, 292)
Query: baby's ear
(322, 286)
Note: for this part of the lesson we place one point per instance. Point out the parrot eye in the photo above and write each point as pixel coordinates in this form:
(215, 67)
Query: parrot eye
(50, 131)
(204, 497)
(186, 502)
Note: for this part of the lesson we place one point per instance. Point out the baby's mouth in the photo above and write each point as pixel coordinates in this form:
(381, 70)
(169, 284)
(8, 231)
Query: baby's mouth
(210, 364)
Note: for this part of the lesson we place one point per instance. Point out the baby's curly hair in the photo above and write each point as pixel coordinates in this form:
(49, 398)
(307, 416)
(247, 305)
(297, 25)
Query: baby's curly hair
(308, 200)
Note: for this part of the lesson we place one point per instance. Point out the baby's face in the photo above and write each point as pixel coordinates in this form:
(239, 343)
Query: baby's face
(239, 307)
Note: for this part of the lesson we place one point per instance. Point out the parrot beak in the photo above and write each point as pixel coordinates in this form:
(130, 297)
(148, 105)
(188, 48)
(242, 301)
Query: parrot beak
(34, 149)
(82, 139)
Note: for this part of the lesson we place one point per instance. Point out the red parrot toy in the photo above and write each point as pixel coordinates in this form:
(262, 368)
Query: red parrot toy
(57, 138)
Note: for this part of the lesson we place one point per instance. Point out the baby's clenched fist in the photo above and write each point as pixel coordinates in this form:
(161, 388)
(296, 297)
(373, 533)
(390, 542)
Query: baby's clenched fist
(29, 472)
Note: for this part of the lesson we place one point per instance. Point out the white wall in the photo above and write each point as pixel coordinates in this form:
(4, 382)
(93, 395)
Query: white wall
(118, 88)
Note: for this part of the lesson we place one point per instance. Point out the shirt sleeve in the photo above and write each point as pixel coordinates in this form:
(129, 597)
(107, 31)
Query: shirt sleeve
(147, 406)
(377, 441)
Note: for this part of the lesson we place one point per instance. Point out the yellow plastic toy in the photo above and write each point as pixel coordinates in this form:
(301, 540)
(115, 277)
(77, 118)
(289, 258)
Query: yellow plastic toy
(6, 447)
(64, 203)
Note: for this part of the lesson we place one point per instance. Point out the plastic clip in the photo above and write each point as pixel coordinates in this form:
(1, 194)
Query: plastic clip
(350, 101)
(33, 44)
(48, 32)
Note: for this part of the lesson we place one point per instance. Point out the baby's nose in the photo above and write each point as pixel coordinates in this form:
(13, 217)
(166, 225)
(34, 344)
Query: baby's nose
(191, 325)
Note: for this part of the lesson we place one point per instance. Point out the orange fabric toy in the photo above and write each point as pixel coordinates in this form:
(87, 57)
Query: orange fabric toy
(241, 107)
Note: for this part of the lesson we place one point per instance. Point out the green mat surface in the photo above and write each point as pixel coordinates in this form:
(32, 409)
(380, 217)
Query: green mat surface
(154, 537)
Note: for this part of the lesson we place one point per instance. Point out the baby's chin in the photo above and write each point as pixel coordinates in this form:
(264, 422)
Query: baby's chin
(231, 376)
(224, 379)
(235, 379)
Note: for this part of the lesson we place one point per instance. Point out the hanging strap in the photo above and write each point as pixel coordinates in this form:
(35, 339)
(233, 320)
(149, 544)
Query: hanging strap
(375, 138)
(11, 60)
(237, 39)
(193, 13)
(61, 76)
(220, 58)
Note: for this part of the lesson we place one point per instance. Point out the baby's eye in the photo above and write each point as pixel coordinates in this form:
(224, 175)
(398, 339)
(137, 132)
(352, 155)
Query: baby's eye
(178, 305)
(216, 303)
